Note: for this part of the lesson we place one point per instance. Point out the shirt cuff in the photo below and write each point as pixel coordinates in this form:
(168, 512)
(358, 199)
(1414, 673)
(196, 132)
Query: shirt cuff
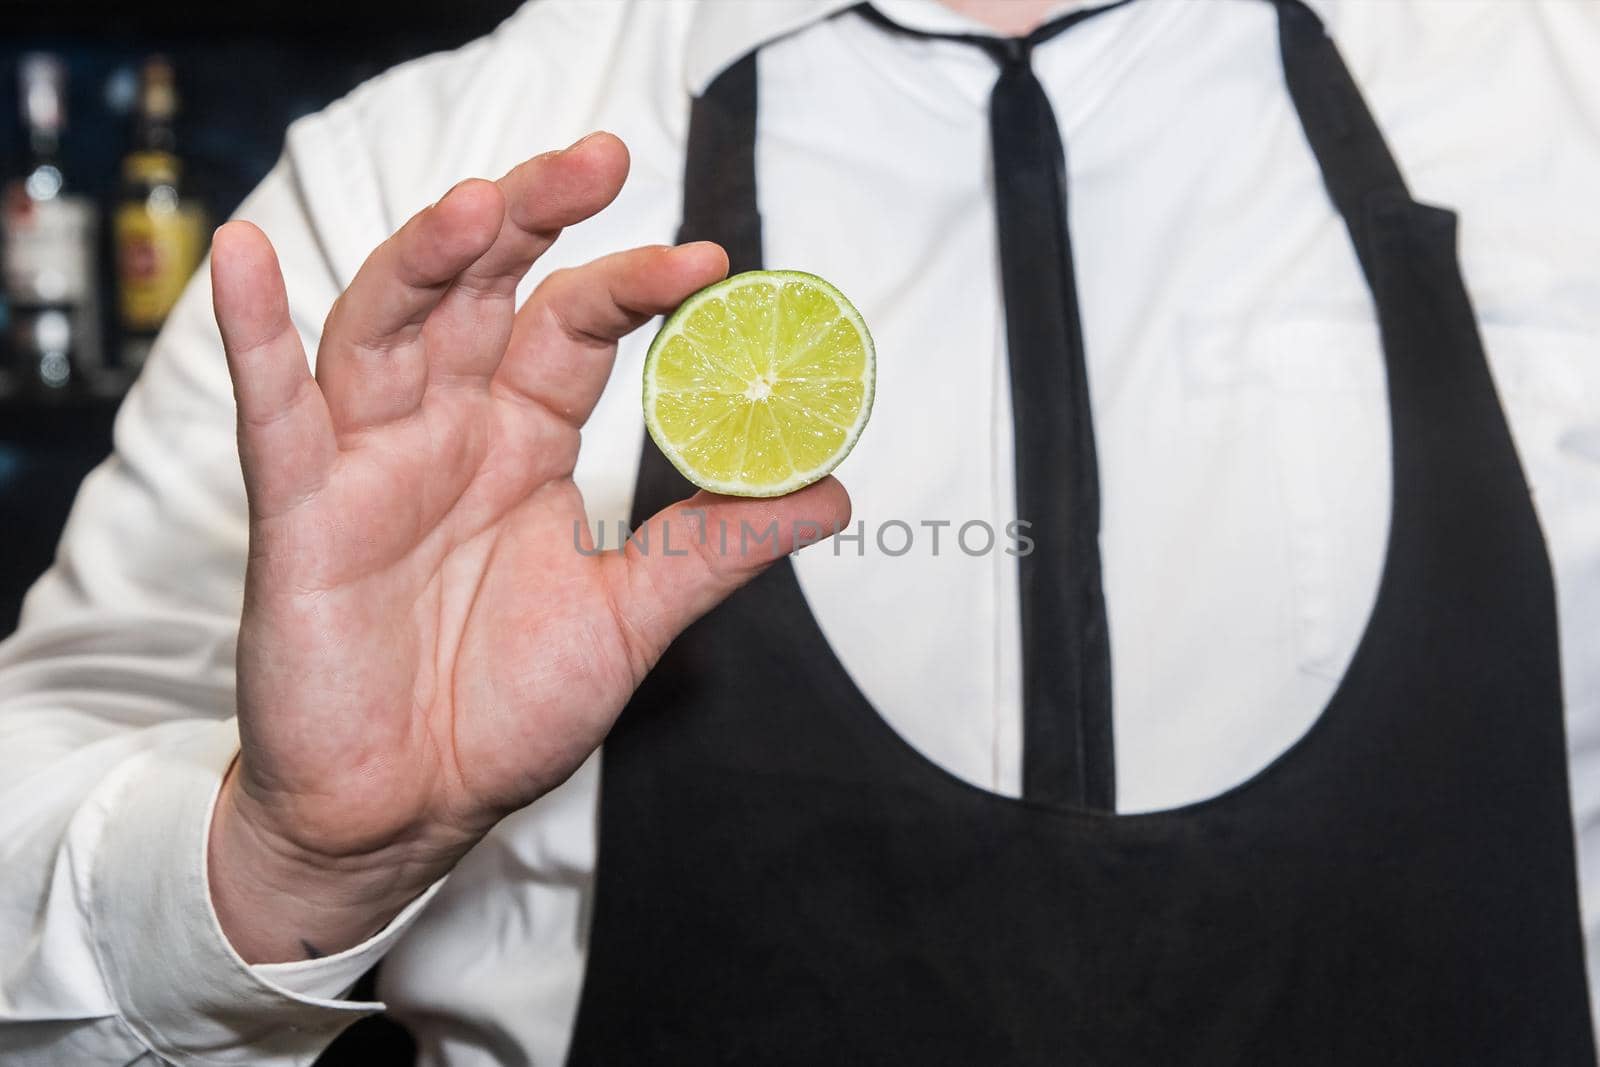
(177, 982)
(330, 977)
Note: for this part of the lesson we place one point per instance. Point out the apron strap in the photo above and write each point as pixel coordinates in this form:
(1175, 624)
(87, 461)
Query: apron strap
(719, 189)
(1357, 166)
(719, 204)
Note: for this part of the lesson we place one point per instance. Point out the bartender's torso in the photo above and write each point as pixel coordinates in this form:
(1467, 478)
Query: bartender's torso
(1234, 357)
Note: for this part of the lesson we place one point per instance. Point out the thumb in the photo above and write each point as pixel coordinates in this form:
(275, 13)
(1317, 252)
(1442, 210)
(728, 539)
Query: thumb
(689, 557)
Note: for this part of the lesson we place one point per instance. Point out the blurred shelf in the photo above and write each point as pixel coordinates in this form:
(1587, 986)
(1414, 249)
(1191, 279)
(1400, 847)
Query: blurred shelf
(81, 423)
(453, 23)
(45, 450)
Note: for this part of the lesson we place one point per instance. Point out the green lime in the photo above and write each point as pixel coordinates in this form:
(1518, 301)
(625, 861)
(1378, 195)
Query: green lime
(760, 384)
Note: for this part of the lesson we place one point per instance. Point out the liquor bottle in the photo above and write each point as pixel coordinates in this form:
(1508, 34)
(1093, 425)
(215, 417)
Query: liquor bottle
(159, 232)
(47, 248)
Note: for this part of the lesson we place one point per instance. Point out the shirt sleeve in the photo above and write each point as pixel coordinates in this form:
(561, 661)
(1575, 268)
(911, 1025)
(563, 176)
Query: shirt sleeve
(116, 704)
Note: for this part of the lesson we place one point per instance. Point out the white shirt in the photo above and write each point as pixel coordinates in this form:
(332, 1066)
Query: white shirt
(1238, 401)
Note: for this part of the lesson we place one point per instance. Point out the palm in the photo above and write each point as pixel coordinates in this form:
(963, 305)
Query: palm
(423, 648)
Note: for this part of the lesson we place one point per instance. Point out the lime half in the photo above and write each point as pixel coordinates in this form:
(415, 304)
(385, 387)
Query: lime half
(760, 384)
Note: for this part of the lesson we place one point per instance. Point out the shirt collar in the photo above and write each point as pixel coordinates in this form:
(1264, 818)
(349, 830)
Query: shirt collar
(721, 31)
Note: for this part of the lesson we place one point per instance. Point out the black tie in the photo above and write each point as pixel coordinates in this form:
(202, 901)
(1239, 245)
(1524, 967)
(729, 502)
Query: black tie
(1067, 755)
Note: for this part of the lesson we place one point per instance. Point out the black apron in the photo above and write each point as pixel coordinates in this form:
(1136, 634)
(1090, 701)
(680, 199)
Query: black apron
(783, 880)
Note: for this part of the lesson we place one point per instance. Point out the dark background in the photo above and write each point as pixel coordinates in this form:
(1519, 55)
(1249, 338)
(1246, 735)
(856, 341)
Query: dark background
(246, 69)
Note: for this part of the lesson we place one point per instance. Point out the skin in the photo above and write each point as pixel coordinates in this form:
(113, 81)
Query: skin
(1009, 18)
(422, 651)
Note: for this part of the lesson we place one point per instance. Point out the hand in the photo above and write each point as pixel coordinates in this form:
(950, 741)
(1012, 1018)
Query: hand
(423, 649)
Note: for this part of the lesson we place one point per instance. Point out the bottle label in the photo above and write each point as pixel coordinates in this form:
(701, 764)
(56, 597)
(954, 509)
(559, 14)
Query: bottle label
(158, 248)
(48, 252)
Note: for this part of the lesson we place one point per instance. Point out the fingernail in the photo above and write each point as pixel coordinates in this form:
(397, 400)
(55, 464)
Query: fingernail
(586, 137)
(451, 191)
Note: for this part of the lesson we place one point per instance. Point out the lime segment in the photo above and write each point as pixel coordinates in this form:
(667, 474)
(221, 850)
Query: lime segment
(760, 384)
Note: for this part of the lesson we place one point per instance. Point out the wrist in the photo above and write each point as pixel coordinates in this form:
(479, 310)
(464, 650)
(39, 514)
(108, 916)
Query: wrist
(278, 900)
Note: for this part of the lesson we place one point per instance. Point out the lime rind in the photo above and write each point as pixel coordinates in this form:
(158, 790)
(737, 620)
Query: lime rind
(801, 477)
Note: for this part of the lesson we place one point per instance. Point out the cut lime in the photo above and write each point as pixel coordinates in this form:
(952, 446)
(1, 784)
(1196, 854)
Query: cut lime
(760, 384)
